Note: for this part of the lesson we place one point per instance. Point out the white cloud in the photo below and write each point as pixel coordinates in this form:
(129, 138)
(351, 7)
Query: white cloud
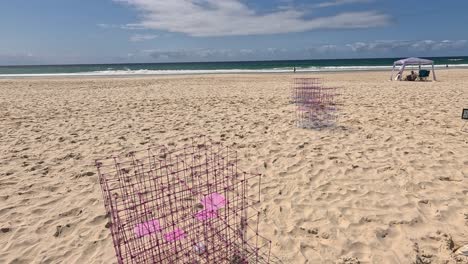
(23, 58)
(131, 26)
(110, 26)
(276, 51)
(214, 54)
(405, 45)
(104, 25)
(372, 48)
(440, 45)
(142, 37)
(328, 48)
(341, 2)
(246, 51)
(188, 54)
(379, 45)
(233, 17)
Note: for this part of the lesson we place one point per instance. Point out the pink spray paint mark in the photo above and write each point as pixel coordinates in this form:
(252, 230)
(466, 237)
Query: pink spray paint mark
(213, 202)
(206, 214)
(177, 234)
(147, 228)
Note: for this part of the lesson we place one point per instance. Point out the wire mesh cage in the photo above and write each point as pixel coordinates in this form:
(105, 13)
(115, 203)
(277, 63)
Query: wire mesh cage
(186, 205)
(317, 106)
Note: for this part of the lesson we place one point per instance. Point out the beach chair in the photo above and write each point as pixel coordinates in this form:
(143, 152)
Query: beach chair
(423, 74)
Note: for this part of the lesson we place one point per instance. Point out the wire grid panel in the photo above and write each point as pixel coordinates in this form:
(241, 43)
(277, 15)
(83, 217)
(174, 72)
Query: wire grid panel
(187, 205)
(316, 106)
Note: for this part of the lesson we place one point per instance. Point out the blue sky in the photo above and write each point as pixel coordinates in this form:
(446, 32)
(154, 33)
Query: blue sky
(122, 31)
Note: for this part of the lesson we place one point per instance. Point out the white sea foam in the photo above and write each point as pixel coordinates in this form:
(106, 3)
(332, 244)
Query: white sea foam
(129, 72)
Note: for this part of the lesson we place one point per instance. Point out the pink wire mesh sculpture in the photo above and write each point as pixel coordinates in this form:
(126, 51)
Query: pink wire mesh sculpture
(316, 105)
(187, 205)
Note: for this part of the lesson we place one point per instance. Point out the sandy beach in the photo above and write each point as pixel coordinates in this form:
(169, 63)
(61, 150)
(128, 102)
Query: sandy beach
(389, 184)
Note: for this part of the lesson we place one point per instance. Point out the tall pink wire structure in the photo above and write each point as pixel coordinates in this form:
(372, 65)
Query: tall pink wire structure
(316, 105)
(186, 205)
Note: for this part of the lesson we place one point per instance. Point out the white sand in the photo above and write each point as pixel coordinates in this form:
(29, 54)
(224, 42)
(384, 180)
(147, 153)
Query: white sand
(389, 185)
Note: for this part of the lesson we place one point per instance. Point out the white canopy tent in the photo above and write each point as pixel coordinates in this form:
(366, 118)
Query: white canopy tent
(412, 61)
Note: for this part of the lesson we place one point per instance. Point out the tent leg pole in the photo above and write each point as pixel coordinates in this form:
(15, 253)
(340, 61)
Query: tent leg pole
(391, 76)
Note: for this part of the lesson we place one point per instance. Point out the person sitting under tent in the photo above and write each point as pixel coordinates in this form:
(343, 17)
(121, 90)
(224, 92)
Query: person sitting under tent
(412, 77)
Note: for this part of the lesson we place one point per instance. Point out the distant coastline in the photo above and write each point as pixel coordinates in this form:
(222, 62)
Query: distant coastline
(231, 67)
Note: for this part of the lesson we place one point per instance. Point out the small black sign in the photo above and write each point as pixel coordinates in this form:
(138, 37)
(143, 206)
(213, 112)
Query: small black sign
(465, 114)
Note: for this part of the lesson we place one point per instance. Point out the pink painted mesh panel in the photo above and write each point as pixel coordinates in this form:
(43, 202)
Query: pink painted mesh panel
(317, 106)
(187, 205)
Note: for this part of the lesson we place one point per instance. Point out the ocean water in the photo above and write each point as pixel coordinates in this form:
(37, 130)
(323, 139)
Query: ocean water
(218, 67)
